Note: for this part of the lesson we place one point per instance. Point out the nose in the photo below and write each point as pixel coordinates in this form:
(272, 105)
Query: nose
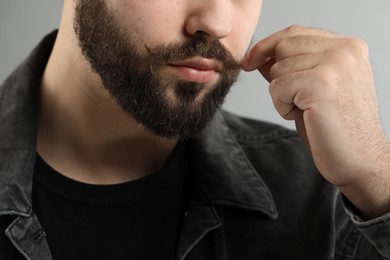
(210, 18)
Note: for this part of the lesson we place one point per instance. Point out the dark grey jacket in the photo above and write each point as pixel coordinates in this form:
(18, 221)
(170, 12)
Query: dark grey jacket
(257, 192)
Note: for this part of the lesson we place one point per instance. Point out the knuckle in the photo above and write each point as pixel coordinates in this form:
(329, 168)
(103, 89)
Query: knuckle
(274, 71)
(356, 46)
(294, 29)
(342, 56)
(282, 46)
(273, 86)
(325, 75)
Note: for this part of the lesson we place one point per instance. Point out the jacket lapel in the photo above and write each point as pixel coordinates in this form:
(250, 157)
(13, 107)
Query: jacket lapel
(223, 177)
(18, 121)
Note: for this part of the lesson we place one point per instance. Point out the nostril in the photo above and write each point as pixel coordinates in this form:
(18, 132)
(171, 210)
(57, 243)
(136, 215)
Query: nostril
(201, 34)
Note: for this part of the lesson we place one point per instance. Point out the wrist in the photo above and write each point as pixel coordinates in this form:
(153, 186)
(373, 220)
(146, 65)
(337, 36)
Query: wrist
(370, 193)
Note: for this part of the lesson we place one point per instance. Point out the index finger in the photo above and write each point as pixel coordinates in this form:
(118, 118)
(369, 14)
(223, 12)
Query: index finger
(262, 51)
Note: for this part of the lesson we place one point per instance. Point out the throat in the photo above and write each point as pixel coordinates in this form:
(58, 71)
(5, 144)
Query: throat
(112, 165)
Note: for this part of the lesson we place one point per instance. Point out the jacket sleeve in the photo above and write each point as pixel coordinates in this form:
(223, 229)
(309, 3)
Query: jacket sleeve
(376, 231)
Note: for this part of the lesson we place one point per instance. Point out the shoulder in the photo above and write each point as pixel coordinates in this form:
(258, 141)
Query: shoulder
(248, 130)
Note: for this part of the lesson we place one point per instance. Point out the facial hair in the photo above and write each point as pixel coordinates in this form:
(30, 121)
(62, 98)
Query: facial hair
(131, 72)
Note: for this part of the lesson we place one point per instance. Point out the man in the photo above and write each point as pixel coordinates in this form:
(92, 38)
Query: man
(113, 145)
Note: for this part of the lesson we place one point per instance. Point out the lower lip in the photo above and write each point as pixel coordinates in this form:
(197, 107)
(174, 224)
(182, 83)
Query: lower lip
(195, 75)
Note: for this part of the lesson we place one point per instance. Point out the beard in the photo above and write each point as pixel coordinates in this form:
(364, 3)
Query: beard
(132, 73)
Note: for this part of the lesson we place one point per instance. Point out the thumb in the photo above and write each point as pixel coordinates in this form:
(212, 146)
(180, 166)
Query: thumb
(266, 69)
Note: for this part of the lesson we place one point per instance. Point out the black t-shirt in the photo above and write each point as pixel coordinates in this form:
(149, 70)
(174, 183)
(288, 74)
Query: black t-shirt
(135, 220)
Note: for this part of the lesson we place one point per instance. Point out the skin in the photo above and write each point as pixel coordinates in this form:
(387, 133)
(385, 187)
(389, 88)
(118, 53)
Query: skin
(320, 79)
(324, 82)
(82, 132)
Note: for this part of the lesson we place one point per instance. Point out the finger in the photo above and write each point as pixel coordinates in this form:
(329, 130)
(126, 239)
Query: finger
(306, 44)
(283, 93)
(295, 64)
(302, 90)
(266, 69)
(265, 48)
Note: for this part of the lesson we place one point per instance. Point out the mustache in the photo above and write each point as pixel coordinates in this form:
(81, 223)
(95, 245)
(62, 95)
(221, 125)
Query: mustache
(168, 53)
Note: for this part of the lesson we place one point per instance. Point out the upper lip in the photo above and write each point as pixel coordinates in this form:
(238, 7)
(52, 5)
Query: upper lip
(199, 63)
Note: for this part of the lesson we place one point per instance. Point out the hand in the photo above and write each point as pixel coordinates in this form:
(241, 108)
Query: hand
(324, 82)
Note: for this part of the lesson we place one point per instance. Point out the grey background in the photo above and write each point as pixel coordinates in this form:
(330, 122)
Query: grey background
(24, 22)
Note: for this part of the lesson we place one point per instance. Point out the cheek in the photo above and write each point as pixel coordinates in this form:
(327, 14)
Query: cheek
(239, 41)
(152, 22)
(244, 27)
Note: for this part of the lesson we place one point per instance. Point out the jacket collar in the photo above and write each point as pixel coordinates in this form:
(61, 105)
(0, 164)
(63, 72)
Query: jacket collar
(18, 116)
(224, 174)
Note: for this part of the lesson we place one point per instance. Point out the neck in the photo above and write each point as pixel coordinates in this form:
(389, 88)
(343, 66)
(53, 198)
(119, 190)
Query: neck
(82, 132)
